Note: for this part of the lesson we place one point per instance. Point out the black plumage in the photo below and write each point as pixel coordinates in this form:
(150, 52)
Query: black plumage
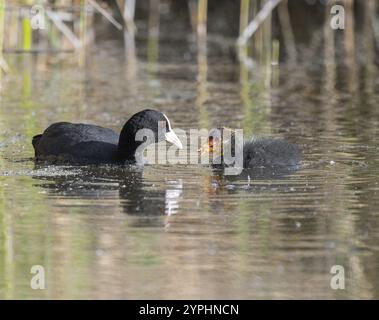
(83, 144)
(270, 153)
(266, 153)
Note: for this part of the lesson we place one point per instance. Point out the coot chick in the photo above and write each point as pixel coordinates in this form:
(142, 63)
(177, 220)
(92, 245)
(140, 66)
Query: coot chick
(84, 144)
(265, 153)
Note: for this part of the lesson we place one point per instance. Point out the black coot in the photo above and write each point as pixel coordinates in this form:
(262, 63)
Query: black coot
(257, 153)
(83, 144)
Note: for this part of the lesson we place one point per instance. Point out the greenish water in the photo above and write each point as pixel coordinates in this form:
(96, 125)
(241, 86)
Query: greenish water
(183, 231)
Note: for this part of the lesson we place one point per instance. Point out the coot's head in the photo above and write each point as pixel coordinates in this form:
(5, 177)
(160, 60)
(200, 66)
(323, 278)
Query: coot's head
(151, 122)
(217, 139)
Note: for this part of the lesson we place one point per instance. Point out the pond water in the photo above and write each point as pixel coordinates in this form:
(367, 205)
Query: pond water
(185, 231)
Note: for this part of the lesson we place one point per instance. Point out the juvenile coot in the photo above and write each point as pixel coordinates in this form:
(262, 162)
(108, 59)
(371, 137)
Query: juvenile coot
(83, 144)
(257, 153)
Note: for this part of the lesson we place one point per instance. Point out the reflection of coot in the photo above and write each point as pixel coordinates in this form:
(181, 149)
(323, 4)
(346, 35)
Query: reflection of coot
(104, 182)
(250, 174)
(138, 200)
(248, 180)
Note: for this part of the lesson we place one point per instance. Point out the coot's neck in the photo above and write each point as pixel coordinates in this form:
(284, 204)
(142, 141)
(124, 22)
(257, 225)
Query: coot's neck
(127, 145)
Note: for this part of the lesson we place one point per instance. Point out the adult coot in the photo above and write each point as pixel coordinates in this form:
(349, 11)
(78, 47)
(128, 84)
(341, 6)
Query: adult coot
(83, 144)
(256, 153)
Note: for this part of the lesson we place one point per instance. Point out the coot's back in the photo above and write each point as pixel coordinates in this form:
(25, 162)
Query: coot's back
(270, 153)
(76, 143)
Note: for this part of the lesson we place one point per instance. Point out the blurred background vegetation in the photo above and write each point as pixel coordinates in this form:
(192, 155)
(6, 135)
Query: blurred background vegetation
(72, 25)
(259, 35)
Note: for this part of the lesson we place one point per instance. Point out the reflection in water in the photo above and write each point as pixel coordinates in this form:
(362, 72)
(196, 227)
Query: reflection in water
(250, 175)
(136, 197)
(172, 197)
